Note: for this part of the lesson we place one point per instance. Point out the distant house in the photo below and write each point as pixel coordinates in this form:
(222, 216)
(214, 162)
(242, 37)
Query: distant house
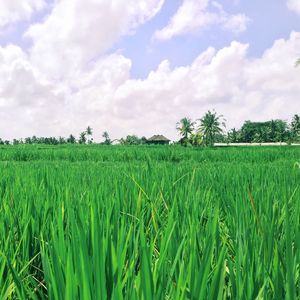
(158, 140)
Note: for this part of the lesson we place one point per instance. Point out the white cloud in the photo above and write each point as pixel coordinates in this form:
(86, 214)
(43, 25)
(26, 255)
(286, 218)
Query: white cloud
(105, 97)
(78, 32)
(228, 80)
(12, 11)
(28, 104)
(190, 16)
(235, 23)
(67, 80)
(294, 5)
(196, 15)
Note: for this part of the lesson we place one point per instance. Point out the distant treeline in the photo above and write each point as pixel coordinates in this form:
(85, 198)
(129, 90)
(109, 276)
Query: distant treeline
(85, 137)
(210, 129)
(260, 132)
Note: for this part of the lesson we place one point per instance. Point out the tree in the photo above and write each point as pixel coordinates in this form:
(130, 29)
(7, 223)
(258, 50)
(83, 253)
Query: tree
(52, 141)
(89, 133)
(34, 140)
(131, 140)
(16, 142)
(272, 131)
(82, 138)
(196, 139)
(298, 62)
(282, 131)
(71, 139)
(233, 136)
(28, 140)
(211, 126)
(143, 140)
(295, 126)
(263, 132)
(62, 140)
(107, 140)
(185, 127)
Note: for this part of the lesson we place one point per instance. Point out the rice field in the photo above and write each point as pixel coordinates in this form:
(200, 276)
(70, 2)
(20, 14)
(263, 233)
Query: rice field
(96, 222)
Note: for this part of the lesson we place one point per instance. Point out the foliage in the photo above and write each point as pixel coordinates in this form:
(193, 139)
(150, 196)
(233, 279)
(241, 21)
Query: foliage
(196, 139)
(133, 140)
(209, 131)
(211, 126)
(71, 139)
(89, 133)
(295, 127)
(233, 136)
(107, 140)
(185, 127)
(149, 223)
(62, 140)
(259, 132)
(82, 138)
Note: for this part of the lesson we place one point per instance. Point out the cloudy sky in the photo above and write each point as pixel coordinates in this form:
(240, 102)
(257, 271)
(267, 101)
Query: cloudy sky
(139, 66)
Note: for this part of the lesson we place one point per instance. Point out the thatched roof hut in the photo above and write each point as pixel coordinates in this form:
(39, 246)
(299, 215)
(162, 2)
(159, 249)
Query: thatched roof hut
(158, 139)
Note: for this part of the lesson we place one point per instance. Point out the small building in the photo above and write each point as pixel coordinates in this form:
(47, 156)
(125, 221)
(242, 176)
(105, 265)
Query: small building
(158, 140)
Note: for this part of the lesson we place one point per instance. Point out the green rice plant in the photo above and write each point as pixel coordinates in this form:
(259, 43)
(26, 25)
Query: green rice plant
(92, 222)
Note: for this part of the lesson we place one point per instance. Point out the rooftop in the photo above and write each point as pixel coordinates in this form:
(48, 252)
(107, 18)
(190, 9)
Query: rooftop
(157, 138)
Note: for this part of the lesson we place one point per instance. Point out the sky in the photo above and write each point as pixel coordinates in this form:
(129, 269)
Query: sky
(139, 66)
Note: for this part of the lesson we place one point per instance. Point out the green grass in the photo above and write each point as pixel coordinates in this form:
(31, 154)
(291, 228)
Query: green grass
(95, 222)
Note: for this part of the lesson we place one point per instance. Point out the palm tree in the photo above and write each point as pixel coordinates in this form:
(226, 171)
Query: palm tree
(196, 139)
(62, 140)
(82, 138)
(233, 136)
(105, 135)
(210, 126)
(71, 139)
(89, 133)
(185, 127)
(295, 125)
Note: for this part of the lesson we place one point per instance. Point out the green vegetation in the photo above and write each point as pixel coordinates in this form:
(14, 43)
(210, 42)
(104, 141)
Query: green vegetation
(149, 222)
(206, 131)
(211, 129)
(185, 127)
(211, 125)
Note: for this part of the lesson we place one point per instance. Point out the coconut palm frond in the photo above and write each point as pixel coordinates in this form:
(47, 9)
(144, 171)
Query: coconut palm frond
(211, 125)
(185, 127)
